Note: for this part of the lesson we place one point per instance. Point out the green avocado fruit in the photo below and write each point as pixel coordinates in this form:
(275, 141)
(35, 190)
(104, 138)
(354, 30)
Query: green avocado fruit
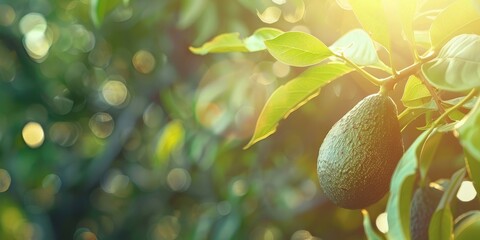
(423, 205)
(359, 154)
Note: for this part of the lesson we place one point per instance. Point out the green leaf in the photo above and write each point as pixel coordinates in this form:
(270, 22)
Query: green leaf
(412, 113)
(359, 48)
(256, 41)
(99, 8)
(401, 188)
(367, 225)
(407, 10)
(298, 49)
(207, 24)
(457, 66)
(467, 226)
(454, 101)
(371, 14)
(293, 10)
(459, 17)
(295, 93)
(473, 169)
(469, 132)
(428, 152)
(190, 11)
(441, 224)
(170, 140)
(231, 42)
(415, 93)
(227, 42)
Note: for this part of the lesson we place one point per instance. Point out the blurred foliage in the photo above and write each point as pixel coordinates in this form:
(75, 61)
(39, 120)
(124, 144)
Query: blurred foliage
(111, 129)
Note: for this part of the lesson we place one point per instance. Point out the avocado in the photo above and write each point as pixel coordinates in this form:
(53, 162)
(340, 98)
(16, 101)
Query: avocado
(360, 152)
(423, 205)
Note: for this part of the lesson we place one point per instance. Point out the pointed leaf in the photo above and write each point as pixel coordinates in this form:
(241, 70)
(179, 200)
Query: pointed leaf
(231, 42)
(454, 101)
(256, 41)
(467, 226)
(428, 152)
(415, 93)
(359, 48)
(412, 113)
(469, 132)
(473, 168)
(459, 17)
(457, 67)
(401, 188)
(367, 225)
(289, 97)
(298, 49)
(441, 224)
(371, 14)
(227, 42)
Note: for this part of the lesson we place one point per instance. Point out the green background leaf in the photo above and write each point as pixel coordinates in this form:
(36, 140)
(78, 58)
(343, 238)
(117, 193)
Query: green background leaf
(469, 132)
(460, 17)
(401, 188)
(427, 154)
(469, 227)
(256, 41)
(100, 8)
(228, 42)
(415, 93)
(371, 14)
(358, 47)
(294, 94)
(457, 66)
(367, 226)
(298, 49)
(473, 169)
(441, 224)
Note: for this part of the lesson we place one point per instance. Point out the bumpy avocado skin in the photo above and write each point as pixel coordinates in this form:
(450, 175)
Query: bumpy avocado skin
(424, 203)
(360, 152)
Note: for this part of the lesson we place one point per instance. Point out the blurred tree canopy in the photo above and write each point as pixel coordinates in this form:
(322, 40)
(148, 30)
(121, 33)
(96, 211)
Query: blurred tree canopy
(111, 129)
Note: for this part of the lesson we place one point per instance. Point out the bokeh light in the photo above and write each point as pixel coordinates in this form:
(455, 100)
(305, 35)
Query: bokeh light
(84, 234)
(114, 92)
(167, 228)
(5, 180)
(270, 14)
(179, 179)
(64, 134)
(33, 134)
(52, 182)
(382, 222)
(101, 124)
(34, 27)
(467, 192)
(280, 69)
(115, 183)
(7, 15)
(239, 187)
(143, 61)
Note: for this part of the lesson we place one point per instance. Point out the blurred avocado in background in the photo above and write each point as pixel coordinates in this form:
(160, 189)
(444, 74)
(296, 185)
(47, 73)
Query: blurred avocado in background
(111, 129)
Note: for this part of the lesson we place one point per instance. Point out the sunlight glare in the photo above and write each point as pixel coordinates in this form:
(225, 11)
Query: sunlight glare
(33, 134)
(382, 223)
(467, 192)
